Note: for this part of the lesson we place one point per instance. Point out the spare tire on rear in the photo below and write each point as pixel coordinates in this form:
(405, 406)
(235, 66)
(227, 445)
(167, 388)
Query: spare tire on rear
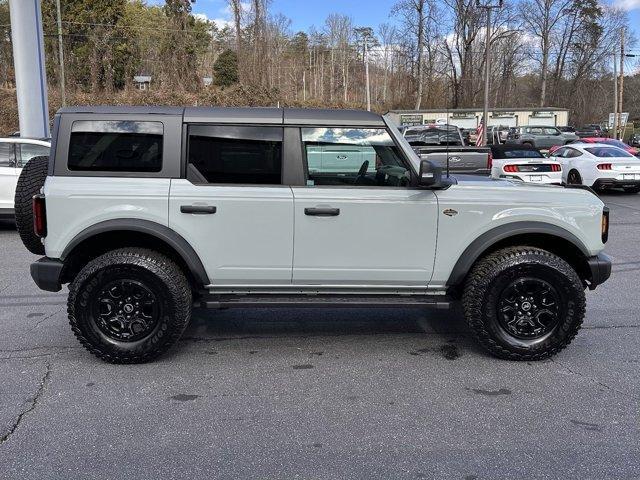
(30, 182)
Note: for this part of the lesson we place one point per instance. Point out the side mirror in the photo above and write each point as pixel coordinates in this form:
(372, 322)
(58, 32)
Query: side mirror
(430, 174)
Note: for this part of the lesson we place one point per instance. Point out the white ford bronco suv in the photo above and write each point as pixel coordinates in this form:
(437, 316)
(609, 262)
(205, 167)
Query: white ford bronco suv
(147, 212)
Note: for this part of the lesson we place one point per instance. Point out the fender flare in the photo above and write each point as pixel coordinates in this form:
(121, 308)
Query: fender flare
(161, 232)
(485, 241)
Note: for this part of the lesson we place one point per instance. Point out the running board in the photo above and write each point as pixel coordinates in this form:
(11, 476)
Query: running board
(439, 302)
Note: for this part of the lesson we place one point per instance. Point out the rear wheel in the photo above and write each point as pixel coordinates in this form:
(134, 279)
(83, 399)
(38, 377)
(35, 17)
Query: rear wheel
(129, 305)
(524, 303)
(574, 178)
(31, 180)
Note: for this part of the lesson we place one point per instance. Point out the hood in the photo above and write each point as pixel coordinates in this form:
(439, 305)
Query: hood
(480, 181)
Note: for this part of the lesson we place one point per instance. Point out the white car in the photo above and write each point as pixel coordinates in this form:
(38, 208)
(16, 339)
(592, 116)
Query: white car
(524, 163)
(599, 166)
(15, 152)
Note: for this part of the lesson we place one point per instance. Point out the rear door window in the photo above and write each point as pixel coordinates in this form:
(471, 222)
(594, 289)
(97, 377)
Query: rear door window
(235, 155)
(116, 146)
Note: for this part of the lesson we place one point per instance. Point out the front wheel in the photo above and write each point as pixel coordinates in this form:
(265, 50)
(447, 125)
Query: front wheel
(129, 305)
(524, 303)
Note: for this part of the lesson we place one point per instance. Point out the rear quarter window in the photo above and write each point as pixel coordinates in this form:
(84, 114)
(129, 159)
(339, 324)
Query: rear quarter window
(116, 146)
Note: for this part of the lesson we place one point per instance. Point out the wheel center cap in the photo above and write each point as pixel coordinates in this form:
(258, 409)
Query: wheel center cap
(526, 306)
(128, 308)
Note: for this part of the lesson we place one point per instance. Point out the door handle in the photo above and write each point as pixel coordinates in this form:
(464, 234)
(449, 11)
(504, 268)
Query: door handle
(198, 209)
(322, 212)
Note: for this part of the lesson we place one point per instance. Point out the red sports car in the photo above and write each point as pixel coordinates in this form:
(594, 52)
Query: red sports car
(608, 141)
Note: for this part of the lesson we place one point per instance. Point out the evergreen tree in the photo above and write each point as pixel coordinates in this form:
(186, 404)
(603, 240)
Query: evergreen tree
(225, 69)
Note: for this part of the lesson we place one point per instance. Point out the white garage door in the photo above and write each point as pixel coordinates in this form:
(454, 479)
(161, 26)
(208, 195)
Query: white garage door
(464, 122)
(504, 121)
(543, 121)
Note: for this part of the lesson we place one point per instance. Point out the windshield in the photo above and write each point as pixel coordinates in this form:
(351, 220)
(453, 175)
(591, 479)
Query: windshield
(608, 152)
(433, 136)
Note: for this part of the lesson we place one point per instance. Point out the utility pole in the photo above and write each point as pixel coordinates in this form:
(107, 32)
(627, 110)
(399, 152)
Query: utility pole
(304, 85)
(615, 92)
(61, 56)
(366, 69)
(488, 6)
(620, 134)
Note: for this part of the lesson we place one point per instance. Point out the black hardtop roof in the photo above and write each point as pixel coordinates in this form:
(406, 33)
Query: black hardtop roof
(235, 115)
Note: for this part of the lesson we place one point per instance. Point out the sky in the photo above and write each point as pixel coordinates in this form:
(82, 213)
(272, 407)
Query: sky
(305, 13)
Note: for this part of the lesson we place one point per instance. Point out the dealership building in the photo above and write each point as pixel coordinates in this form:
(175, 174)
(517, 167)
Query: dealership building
(470, 118)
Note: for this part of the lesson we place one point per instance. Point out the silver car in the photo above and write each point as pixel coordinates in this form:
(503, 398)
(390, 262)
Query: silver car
(538, 137)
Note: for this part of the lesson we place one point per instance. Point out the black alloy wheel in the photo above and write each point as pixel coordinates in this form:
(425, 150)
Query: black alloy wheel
(529, 308)
(126, 310)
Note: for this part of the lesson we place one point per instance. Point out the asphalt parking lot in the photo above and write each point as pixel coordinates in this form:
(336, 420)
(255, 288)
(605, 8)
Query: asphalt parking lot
(316, 394)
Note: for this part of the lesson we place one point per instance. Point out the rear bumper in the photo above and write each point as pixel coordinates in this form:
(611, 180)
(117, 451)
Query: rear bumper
(614, 182)
(600, 267)
(546, 179)
(46, 272)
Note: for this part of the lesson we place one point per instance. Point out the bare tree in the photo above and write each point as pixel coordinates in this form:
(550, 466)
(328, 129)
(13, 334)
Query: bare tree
(388, 34)
(236, 10)
(541, 18)
(415, 15)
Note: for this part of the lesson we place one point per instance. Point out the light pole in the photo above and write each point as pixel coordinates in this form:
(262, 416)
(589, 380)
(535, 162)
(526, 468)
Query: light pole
(488, 5)
(63, 96)
(30, 72)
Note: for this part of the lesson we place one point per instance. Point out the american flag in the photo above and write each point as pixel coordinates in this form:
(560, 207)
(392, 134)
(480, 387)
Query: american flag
(480, 134)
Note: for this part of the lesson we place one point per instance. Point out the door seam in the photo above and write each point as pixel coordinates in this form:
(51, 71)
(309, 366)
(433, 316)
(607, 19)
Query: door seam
(293, 232)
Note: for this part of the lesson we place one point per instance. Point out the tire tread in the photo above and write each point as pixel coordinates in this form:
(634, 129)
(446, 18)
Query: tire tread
(167, 270)
(478, 281)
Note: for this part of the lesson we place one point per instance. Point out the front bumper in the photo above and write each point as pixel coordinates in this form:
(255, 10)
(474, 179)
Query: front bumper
(46, 272)
(600, 267)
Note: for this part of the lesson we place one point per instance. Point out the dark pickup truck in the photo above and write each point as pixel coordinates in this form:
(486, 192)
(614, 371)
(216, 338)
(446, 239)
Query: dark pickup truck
(444, 146)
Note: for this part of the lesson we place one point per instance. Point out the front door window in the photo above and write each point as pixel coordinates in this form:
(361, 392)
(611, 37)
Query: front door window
(365, 157)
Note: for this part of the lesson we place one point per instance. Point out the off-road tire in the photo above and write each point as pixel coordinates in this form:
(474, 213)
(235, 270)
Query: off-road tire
(488, 279)
(31, 180)
(157, 273)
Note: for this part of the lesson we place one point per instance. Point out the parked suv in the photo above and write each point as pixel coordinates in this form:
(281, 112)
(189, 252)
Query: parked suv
(537, 137)
(14, 153)
(148, 212)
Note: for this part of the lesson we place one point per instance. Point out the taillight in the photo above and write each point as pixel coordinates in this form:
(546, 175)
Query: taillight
(490, 161)
(39, 216)
(605, 224)
(605, 166)
(555, 167)
(511, 168)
